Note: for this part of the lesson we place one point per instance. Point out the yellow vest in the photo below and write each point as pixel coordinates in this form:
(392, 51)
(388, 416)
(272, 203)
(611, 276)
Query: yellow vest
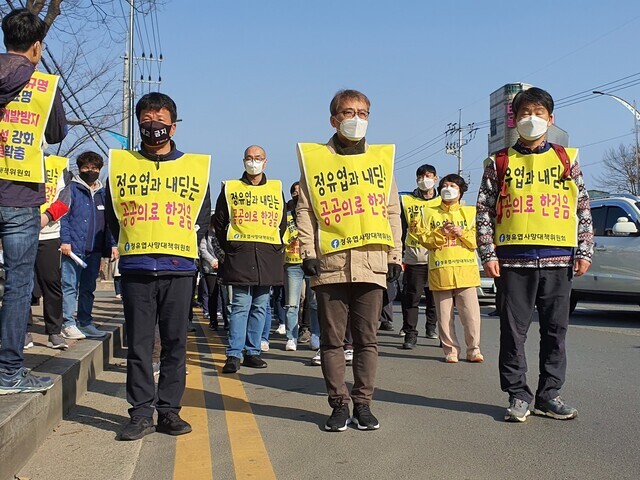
(55, 166)
(22, 130)
(292, 246)
(453, 253)
(413, 209)
(349, 194)
(539, 207)
(157, 203)
(255, 211)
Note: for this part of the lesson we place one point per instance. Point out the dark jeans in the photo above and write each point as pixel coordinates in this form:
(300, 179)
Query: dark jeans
(147, 300)
(414, 282)
(357, 306)
(48, 276)
(19, 229)
(388, 296)
(523, 289)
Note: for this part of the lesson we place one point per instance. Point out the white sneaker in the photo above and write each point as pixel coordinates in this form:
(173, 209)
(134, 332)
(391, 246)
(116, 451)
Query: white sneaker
(264, 346)
(91, 331)
(282, 329)
(291, 345)
(316, 360)
(348, 356)
(72, 333)
(401, 334)
(314, 343)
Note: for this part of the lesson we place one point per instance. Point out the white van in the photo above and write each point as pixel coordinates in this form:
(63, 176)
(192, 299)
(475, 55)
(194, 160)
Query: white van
(614, 275)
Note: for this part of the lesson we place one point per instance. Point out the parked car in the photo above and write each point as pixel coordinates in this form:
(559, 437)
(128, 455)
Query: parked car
(614, 275)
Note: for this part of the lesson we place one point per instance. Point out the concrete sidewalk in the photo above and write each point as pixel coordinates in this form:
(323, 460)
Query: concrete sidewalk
(27, 419)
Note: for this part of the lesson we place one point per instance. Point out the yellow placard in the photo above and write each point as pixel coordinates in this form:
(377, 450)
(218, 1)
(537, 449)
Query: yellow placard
(22, 130)
(157, 203)
(453, 253)
(539, 206)
(413, 208)
(292, 246)
(349, 195)
(54, 166)
(255, 211)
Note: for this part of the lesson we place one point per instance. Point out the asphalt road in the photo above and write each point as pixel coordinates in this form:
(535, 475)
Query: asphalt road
(437, 420)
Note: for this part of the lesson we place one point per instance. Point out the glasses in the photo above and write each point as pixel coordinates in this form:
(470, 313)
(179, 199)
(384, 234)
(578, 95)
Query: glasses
(350, 113)
(256, 159)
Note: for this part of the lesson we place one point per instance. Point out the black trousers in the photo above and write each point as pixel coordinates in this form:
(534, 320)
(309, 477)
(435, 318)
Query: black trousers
(214, 292)
(415, 281)
(388, 298)
(49, 278)
(166, 300)
(523, 289)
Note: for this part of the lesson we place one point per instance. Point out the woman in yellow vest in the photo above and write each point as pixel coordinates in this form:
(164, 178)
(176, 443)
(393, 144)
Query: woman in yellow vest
(448, 230)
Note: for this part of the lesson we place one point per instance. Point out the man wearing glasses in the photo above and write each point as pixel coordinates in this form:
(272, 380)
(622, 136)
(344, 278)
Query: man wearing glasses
(249, 223)
(350, 242)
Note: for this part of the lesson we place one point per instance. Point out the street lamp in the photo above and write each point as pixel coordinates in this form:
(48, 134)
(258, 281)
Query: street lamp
(636, 118)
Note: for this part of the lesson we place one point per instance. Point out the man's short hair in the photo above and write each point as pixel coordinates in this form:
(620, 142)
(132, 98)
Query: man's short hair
(535, 96)
(293, 187)
(156, 101)
(342, 95)
(424, 169)
(22, 29)
(89, 159)
(454, 178)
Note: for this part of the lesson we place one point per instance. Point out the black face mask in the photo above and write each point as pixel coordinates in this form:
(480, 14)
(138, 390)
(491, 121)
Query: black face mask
(154, 133)
(89, 177)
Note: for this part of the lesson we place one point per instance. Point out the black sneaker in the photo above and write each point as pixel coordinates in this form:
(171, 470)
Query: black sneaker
(363, 417)
(213, 326)
(137, 428)
(339, 419)
(232, 365)
(555, 408)
(518, 410)
(254, 361)
(304, 337)
(431, 334)
(171, 424)
(410, 341)
(386, 326)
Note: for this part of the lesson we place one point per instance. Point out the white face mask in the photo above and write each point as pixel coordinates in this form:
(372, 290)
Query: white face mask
(449, 193)
(532, 127)
(354, 128)
(425, 184)
(254, 167)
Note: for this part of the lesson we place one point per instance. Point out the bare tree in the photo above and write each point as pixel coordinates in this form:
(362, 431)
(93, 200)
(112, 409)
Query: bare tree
(620, 170)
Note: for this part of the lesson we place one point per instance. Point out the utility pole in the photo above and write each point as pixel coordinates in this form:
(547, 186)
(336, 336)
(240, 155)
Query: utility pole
(130, 90)
(635, 128)
(464, 135)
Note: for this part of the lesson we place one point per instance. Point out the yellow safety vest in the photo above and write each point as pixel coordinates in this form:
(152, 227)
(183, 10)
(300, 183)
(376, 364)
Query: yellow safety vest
(255, 211)
(292, 246)
(22, 130)
(157, 203)
(453, 253)
(413, 208)
(349, 195)
(539, 206)
(54, 166)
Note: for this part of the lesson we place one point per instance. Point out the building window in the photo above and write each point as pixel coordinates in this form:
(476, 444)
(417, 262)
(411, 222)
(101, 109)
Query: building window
(494, 127)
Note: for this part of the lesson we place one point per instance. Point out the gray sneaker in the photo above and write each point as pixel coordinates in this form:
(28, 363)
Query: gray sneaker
(56, 341)
(28, 341)
(23, 381)
(518, 410)
(555, 408)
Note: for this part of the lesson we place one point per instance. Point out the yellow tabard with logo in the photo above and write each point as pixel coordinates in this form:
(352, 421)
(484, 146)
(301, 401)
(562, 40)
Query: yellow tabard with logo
(453, 253)
(413, 208)
(255, 211)
(349, 194)
(157, 203)
(539, 207)
(54, 166)
(292, 246)
(22, 130)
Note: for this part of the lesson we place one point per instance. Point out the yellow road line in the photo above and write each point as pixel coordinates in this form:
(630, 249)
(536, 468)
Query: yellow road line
(250, 457)
(193, 451)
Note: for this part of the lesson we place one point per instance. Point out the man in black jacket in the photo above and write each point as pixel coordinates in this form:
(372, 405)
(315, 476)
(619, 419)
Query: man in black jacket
(251, 238)
(20, 218)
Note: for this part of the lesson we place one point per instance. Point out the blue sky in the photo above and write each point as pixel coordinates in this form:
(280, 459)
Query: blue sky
(263, 72)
